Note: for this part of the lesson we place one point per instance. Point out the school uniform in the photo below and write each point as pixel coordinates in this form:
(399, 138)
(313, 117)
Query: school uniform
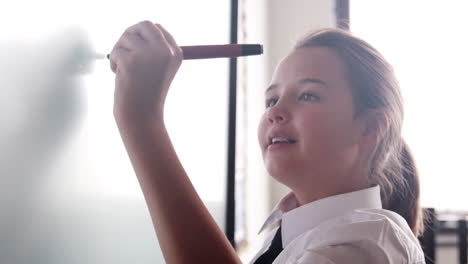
(345, 228)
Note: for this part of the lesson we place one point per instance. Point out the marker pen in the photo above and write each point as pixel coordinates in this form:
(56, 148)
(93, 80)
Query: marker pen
(219, 51)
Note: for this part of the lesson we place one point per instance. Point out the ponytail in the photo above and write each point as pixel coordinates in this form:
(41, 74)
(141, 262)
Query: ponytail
(403, 197)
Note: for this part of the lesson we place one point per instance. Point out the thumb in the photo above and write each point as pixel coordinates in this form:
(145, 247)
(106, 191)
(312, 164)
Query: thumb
(113, 66)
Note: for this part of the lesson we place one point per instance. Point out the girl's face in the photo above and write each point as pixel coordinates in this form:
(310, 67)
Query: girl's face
(310, 103)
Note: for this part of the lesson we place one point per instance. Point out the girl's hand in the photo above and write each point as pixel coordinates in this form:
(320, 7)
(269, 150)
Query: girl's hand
(145, 60)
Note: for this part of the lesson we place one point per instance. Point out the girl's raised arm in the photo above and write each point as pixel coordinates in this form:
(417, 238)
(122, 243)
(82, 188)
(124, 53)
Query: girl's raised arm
(145, 60)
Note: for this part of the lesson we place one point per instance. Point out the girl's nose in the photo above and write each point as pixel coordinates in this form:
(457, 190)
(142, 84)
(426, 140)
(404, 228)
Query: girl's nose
(277, 115)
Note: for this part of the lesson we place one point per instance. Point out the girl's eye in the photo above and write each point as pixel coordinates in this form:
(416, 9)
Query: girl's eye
(270, 102)
(309, 96)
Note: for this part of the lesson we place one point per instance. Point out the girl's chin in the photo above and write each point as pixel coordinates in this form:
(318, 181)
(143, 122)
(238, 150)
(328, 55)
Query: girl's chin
(279, 166)
(279, 173)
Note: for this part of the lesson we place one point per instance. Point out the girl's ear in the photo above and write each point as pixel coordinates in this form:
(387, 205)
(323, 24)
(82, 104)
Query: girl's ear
(374, 124)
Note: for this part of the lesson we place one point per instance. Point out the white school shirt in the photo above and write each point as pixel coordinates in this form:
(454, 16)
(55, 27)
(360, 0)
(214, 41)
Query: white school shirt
(345, 228)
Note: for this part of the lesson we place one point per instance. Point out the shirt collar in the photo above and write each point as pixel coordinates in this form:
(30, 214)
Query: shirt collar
(296, 220)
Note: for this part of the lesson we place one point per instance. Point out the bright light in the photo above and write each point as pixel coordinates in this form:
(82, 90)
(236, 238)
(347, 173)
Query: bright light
(425, 43)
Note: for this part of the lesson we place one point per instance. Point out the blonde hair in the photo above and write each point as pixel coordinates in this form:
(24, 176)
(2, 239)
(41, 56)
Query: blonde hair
(374, 86)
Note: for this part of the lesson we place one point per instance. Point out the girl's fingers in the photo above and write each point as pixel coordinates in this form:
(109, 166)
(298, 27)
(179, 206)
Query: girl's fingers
(154, 36)
(175, 48)
(149, 32)
(135, 31)
(140, 37)
(131, 39)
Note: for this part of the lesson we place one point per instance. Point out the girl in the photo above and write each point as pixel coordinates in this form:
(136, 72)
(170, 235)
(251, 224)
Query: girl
(330, 132)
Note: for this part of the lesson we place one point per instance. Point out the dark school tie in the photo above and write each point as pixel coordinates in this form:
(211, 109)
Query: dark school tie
(273, 251)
